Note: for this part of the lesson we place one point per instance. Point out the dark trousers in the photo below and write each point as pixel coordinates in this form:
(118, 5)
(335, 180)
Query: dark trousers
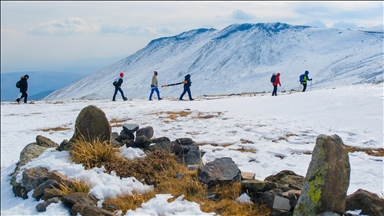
(24, 95)
(304, 87)
(121, 92)
(274, 93)
(186, 90)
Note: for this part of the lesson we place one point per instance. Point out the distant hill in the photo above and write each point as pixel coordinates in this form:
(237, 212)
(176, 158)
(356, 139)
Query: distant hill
(40, 84)
(241, 58)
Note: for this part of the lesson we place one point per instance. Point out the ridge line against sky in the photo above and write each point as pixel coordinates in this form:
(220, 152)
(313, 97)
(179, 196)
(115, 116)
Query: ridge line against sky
(57, 36)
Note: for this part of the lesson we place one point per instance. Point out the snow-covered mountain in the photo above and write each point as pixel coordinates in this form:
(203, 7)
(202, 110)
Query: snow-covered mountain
(241, 58)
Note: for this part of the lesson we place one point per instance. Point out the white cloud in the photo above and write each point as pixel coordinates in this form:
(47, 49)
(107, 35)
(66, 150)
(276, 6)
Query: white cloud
(72, 25)
(241, 15)
(8, 31)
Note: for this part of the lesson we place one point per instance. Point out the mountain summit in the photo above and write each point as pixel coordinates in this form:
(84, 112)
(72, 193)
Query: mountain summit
(241, 58)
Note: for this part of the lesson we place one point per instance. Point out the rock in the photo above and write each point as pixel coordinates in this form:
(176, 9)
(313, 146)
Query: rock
(43, 141)
(92, 124)
(369, 203)
(85, 209)
(146, 132)
(60, 178)
(247, 175)
(268, 197)
(64, 146)
(287, 178)
(38, 193)
(78, 197)
(220, 171)
(42, 207)
(51, 193)
(327, 179)
(162, 143)
(33, 177)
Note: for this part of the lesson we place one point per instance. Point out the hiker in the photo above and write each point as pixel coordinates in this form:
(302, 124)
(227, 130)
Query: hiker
(117, 83)
(187, 84)
(23, 88)
(303, 79)
(276, 81)
(154, 86)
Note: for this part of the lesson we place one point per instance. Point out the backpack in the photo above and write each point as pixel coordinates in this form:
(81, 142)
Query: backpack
(18, 84)
(273, 78)
(301, 78)
(114, 83)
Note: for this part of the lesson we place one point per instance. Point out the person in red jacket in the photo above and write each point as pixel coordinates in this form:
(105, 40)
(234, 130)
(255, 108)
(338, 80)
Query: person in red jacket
(275, 83)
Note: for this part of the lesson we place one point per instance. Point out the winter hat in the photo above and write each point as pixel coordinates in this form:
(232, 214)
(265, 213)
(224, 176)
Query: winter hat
(26, 76)
(155, 72)
(121, 74)
(306, 72)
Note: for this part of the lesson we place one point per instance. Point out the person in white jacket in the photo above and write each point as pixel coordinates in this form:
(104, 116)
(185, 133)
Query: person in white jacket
(154, 86)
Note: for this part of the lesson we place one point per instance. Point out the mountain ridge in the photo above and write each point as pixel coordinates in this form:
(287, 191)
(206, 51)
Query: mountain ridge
(241, 58)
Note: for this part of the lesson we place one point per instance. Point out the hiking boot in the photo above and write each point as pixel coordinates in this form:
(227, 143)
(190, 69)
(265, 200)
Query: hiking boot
(18, 100)
(150, 99)
(125, 99)
(192, 99)
(160, 98)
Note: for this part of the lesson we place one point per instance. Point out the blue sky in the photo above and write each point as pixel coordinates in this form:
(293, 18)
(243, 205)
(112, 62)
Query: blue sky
(87, 36)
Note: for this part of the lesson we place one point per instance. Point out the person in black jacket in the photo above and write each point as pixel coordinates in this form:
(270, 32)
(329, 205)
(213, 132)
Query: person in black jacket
(187, 84)
(23, 88)
(118, 82)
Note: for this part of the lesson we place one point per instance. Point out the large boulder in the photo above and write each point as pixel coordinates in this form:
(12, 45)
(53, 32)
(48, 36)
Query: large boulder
(187, 151)
(143, 137)
(92, 124)
(327, 179)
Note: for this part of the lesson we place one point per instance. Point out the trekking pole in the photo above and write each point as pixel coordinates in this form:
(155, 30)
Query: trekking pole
(310, 87)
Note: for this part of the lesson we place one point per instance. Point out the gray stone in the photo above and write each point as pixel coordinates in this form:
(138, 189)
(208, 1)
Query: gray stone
(369, 203)
(220, 171)
(92, 124)
(33, 177)
(287, 178)
(44, 141)
(327, 179)
(38, 193)
(42, 207)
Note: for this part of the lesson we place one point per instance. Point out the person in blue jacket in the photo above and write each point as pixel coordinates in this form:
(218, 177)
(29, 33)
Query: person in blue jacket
(118, 82)
(187, 84)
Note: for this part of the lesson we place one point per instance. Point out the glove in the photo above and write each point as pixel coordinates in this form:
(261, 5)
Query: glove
(310, 79)
(280, 84)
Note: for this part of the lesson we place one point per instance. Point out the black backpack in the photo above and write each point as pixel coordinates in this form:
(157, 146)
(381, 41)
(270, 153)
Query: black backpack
(273, 78)
(18, 84)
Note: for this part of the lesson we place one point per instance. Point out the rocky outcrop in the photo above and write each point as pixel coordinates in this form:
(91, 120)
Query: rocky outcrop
(327, 179)
(31, 151)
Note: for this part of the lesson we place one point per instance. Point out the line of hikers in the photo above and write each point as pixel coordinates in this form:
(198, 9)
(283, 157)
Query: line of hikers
(275, 80)
(154, 87)
(22, 84)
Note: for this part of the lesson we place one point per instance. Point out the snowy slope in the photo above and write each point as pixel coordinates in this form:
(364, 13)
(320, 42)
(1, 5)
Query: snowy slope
(241, 58)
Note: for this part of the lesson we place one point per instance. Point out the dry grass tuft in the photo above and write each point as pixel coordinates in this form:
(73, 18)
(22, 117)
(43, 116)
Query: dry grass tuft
(246, 150)
(376, 152)
(76, 186)
(93, 154)
(164, 172)
(117, 122)
(54, 129)
(173, 114)
(201, 115)
(125, 202)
